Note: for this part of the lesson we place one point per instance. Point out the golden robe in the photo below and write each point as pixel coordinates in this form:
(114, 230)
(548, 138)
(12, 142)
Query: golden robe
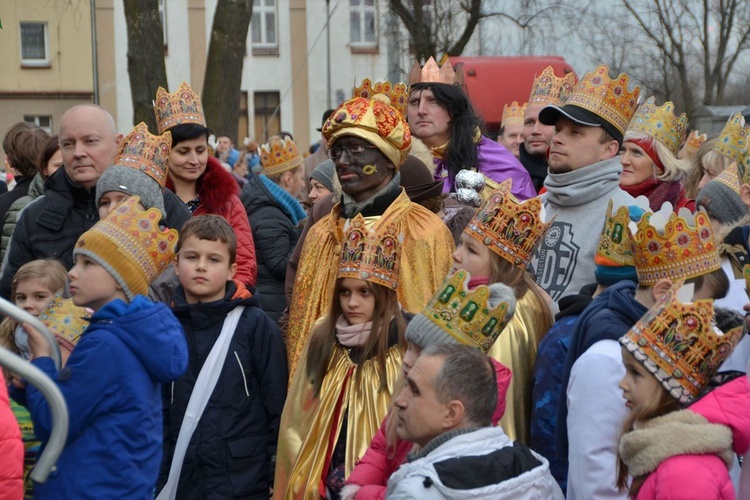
(310, 426)
(516, 348)
(425, 260)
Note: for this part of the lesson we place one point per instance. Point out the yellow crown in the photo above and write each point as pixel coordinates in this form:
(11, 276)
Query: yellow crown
(607, 98)
(746, 274)
(694, 141)
(431, 73)
(397, 94)
(550, 90)
(730, 177)
(513, 113)
(510, 228)
(146, 153)
(65, 320)
(674, 246)
(732, 141)
(371, 255)
(660, 123)
(679, 344)
(184, 106)
(279, 156)
(615, 244)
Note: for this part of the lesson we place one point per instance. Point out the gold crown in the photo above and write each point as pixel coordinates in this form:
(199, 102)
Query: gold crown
(513, 113)
(732, 141)
(660, 123)
(65, 320)
(279, 156)
(431, 73)
(146, 153)
(730, 177)
(746, 274)
(184, 106)
(371, 255)
(510, 228)
(466, 314)
(397, 94)
(679, 344)
(615, 244)
(694, 141)
(674, 246)
(130, 245)
(606, 98)
(549, 89)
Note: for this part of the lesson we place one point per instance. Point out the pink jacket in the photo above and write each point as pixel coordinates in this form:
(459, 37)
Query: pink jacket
(11, 449)
(375, 467)
(705, 476)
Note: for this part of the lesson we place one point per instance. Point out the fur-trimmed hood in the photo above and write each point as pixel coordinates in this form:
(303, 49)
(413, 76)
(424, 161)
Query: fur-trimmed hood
(215, 186)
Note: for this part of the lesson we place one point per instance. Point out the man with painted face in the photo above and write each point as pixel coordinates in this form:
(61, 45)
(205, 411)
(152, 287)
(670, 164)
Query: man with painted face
(368, 141)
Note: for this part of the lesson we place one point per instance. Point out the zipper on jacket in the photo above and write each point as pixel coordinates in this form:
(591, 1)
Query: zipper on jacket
(242, 371)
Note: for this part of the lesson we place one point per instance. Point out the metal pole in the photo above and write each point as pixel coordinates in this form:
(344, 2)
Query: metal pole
(18, 314)
(328, 55)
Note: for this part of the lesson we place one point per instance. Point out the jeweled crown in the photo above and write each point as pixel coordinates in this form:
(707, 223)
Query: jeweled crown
(466, 314)
(694, 140)
(279, 156)
(679, 344)
(432, 73)
(660, 123)
(370, 254)
(673, 246)
(730, 178)
(550, 90)
(732, 141)
(183, 106)
(607, 98)
(513, 113)
(615, 243)
(65, 320)
(397, 94)
(146, 153)
(510, 228)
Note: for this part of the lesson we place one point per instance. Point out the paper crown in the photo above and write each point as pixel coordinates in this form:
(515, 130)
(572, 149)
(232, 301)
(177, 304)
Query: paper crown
(146, 153)
(670, 246)
(660, 123)
(513, 113)
(130, 245)
(615, 243)
(466, 314)
(510, 228)
(184, 106)
(730, 177)
(397, 94)
(279, 156)
(694, 141)
(431, 73)
(65, 320)
(606, 98)
(371, 255)
(679, 344)
(550, 90)
(374, 121)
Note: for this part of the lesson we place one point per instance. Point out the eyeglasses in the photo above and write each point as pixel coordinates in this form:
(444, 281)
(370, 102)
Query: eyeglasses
(352, 151)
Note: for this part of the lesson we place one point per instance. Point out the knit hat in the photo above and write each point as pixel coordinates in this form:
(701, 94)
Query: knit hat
(65, 320)
(131, 182)
(457, 315)
(324, 173)
(130, 246)
(721, 200)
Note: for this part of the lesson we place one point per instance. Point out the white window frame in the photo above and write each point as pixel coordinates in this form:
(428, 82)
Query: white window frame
(260, 11)
(34, 62)
(36, 121)
(363, 10)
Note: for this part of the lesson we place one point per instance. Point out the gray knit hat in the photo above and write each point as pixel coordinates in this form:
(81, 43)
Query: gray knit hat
(452, 324)
(131, 181)
(721, 202)
(324, 173)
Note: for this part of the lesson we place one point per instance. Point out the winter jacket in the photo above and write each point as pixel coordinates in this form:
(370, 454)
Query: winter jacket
(232, 451)
(217, 192)
(537, 167)
(34, 191)
(19, 190)
(11, 449)
(111, 384)
(375, 467)
(474, 463)
(273, 218)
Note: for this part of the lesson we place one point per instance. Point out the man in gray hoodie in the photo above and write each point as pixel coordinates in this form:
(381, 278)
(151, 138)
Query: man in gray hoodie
(584, 174)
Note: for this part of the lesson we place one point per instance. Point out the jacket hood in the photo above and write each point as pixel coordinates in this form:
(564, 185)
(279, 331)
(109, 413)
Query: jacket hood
(214, 186)
(150, 331)
(729, 405)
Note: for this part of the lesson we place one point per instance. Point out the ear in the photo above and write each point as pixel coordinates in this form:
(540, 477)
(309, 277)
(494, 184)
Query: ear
(232, 271)
(454, 414)
(118, 139)
(610, 150)
(286, 179)
(661, 287)
(745, 194)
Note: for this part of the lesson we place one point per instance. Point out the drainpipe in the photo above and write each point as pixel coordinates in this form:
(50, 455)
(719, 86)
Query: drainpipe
(94, 55)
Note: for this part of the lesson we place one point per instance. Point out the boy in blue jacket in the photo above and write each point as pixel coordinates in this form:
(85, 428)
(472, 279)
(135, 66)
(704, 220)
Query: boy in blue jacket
(111, 381)
(220, 437)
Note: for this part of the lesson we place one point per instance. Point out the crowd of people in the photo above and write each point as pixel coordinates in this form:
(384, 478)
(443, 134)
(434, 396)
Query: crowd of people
(413, 310)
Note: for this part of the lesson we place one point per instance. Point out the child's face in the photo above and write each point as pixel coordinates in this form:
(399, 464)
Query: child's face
(32, 295)
(638, 384)
(357, 301)
(204, 269)
(410, 357)
(472, 256)
(109, 201)
(91, 285)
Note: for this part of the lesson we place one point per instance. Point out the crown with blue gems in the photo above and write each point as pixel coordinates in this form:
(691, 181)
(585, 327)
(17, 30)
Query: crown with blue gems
(146, 153)
(732, 141)
(397, 93)
(371, 254)
(183, 106)
(65, 320)
(660, 123)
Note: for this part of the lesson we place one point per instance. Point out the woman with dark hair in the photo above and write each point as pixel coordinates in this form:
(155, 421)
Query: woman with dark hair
(440, 114)
(199, 179)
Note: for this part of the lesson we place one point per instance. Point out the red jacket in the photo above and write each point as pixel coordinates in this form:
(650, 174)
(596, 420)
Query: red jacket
(374, 469)
(11, 450)
(217, 191)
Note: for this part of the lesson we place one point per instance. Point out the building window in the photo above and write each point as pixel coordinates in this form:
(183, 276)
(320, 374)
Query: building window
(264, 26)
(363, 14)
(41, 121)
(34, 44)
(267, 112)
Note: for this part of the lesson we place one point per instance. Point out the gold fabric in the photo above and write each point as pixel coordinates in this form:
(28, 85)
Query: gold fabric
(516, 348)
(425, 260)
(307, 423)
